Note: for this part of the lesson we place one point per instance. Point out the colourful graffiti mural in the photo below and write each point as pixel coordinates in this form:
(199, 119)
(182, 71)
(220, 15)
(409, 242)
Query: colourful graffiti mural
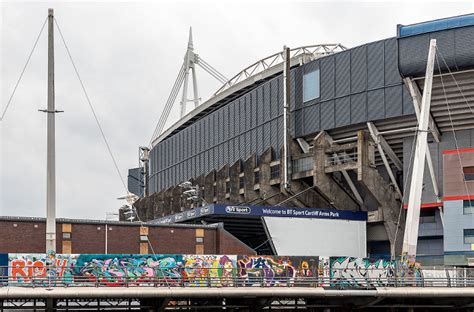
(275, 270)
(115, 270)
(361, 272)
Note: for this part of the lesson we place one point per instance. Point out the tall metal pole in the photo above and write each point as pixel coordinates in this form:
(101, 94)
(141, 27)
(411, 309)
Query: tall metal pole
(51, 157)
(410, 238)
(286, 111)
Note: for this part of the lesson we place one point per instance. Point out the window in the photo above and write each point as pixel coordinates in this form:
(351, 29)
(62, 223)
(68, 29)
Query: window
(468, 173)
(275, 172)
(200, 240)
(227, 187)
(468, 236)
(143, 238)
(468, 206)
(66, 235)
(427, 216)
(256, 176)
(311, 85)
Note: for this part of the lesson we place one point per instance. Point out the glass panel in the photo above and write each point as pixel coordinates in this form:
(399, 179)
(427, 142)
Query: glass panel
(468, 206)
(468, 173)
(469, 236)
(311, 85)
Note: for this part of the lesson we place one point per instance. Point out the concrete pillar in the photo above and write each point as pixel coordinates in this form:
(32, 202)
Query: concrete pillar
(324, 182)
(221, 177)
(249, 179)
(209, 191)
(234, 176)
(271, 194)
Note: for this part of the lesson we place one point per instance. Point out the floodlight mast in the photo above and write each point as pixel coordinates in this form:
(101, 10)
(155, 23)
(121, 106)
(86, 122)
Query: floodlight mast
(410, 239)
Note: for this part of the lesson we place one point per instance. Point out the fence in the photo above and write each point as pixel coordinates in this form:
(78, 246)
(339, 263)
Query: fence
(53, 276)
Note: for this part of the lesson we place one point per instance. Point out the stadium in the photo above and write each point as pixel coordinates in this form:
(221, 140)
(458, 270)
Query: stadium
(331, 129)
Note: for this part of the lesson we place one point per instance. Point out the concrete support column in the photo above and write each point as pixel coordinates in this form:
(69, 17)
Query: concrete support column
(234, 176)
(221, 177)
(249, 179)
(324, 182)
(209, 187)
(271, 194)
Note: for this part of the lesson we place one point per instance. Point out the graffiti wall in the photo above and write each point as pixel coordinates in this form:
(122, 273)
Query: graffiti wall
(115, 270)
(361, 272)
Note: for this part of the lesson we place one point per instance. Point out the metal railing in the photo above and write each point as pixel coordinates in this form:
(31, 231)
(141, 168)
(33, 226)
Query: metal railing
(348, 278)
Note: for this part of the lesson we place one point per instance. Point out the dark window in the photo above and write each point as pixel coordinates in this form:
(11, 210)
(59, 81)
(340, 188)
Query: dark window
(468, 206)
(275, 172)
(257, 177)
(227, 187)
(468, 173)
(67, 236)
(241, 182)
(468, 236)
(427, 216)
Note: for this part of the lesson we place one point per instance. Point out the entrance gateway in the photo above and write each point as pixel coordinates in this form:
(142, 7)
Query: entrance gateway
(285, 230)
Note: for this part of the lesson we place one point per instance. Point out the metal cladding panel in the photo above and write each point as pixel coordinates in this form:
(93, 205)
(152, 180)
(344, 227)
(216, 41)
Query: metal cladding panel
(266, 136)
(280, 134)
(280, 95)
(273, 98)
(393, 101)
(297, 89)
(359, 69)
(237, 148)
(260, 109)
(455, 45)
(359, 108)
(376, 104)
(253, 141)
(464, 46)
(243, 115)
(253, 109)
(212, 129)
(259, 140)
(299, 123)
(241, 150)
(392, 75)
(343, 111)
(343, 73)
(220, 126)
(248, 143)
(274, 134)
(375, 65)
(408, 108)
(248, 112)
(327, 115)
(311, 119)
(225, 123)
(292, 88)
(220, 155)
(266, 102)
(327, 68)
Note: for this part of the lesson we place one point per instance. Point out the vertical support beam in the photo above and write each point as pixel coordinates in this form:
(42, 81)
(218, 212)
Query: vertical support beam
(195, 88)
(286, 112)
(376, 137)
(414, 201)
(415, 94)
(51, 162)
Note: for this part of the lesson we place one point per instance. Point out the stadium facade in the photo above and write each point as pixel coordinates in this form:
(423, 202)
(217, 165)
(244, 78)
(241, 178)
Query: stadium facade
(352, 123)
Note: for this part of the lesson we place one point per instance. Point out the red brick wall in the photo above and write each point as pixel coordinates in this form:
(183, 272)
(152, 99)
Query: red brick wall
(123, 238)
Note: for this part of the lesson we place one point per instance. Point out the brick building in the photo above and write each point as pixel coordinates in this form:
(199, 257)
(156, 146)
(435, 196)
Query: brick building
(28, 235)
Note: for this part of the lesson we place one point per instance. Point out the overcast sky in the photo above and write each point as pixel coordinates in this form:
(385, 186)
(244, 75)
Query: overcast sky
(128, 54)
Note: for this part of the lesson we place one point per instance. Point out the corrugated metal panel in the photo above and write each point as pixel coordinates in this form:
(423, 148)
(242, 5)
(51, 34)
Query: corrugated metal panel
(280, 95)
(375, 65)
(327, 68)
(413, 54)
(266, 136)
(408, 108)
(225, 123)
(260, 109)
(359, 108)
(248, 143)
(241, 146)
(274, 134)
(393, 101)
(375, 104)
(253, 141)
(298, 124)
(311, 119)
(392, 75)
(464, 46)
(266, 102)
(259, 131)
(298, 88)
(359, 69)
(243, 115)
(446, 45)
(248, 112)
(343, 111)
(253, 109)
(273, 98)
(327, 115)
(343, 73)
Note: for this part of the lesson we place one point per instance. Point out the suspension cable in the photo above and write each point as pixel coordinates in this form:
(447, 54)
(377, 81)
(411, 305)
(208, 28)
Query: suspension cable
(100, 129)
(454, 132)
(23, 71)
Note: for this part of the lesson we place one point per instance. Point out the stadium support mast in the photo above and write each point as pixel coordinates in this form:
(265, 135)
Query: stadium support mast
(190, 58)
(410, 239)
(286, 111)
(51, 157)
